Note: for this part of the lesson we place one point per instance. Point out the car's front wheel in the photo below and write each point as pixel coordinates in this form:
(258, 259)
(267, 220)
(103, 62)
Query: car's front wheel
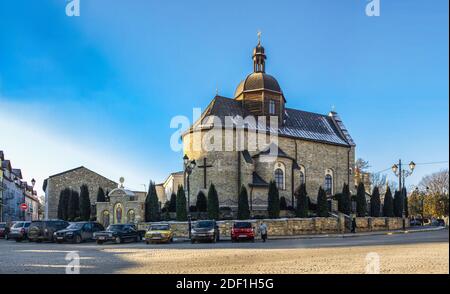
(78, 239)
(99, 242)
(118, 240)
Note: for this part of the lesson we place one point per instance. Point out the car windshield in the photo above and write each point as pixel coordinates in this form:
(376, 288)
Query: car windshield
(159, 228)
(243, 225)
(75, 226)
(27, 225)
(17, 225)
(204, 224)
(115, 228)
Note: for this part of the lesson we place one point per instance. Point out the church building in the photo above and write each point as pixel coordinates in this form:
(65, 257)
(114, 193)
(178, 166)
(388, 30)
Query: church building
(311, 148)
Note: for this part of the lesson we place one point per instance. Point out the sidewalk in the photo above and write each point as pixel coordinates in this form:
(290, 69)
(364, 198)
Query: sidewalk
(346, 235)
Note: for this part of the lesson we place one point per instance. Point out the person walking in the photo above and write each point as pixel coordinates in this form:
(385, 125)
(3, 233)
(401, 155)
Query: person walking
(263, 231)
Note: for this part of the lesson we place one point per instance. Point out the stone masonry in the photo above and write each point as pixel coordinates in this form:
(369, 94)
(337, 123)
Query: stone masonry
(74, 179)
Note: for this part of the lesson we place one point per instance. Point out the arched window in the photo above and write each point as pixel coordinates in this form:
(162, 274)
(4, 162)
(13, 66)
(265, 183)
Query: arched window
(302, 177)
(130, 216)
(279, 178)
(105, 219)
(329, 184)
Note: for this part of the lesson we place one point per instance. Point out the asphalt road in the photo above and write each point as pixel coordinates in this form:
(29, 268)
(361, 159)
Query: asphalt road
(224, 256)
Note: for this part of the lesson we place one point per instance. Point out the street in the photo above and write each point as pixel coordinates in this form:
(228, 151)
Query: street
(426, 252)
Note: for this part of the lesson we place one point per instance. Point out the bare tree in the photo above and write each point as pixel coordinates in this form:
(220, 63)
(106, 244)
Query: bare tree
(378, 180)
(362, 165)
(437, 183)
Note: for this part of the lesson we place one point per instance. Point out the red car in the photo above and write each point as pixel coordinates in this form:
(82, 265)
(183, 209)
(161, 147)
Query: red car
(242, 231)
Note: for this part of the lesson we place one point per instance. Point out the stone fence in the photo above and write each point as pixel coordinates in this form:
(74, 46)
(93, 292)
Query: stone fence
(301, 226)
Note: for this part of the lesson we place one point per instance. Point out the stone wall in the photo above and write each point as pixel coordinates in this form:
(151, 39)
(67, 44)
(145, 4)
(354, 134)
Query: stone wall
(299, 226)
(316, 158)
(74, 179)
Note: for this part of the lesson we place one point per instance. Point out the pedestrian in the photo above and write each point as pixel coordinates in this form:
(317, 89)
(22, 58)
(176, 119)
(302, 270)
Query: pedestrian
(263, 231)
(354, 225)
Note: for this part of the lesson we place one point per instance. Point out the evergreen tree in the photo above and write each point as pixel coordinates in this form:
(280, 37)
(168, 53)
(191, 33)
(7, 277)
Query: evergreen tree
(405, 203)
(101, 195)
(201, 203)
(344, 200)
(63, 204)
(273, 203)
(243, 208)
(375, 203)
(322, 203)
(388, 206)
(152, 211)
(398, 204)
(213, 203)
(283, 203)
(361, 203)
(173, 202)
(85, 203)
(181, 208)
(73, 209)
(302, 201)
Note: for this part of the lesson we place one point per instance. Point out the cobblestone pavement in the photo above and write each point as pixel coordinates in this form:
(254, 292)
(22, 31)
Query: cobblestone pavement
(426, 252)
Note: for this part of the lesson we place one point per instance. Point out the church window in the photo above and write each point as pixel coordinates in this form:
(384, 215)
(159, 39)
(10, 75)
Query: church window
(302, 177)
(279, 178)
(131, 216)
(271, 107)
(105, 219)
(329, 184)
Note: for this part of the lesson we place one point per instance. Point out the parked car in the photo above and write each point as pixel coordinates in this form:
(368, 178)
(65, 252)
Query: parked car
(242, 231)
(78, 232)
(415, 222)
(19, 231)
(438, 222)
(4, 230)
(205, 230)
(44, 230)
(118, 233)
(161, 233)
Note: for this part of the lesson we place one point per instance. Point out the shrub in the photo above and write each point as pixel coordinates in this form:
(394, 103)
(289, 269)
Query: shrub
(375, 203)
(201, 204)
(361, 203)
(322, 203)
(181, 208)
(302, 201)
(85, 203)
(213, 203)
(388, 206)
(273, 207)
(243, 208)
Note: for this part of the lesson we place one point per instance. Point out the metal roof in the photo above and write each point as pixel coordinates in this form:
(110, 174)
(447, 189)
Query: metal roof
(298, 124)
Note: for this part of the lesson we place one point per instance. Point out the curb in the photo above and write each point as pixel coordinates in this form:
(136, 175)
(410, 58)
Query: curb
(347, 235)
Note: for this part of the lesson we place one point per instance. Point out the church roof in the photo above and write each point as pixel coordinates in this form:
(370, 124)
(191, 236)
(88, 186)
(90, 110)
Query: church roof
(257, 181)
(298, 124)
(258, 81)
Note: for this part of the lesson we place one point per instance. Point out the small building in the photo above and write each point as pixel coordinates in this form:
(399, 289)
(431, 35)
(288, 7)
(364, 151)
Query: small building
(124, 206)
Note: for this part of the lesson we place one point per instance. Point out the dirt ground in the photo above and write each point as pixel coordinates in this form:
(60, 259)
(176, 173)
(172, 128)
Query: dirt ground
(412, 259)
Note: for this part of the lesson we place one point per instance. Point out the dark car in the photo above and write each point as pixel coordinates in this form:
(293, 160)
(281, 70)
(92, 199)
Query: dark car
(78, 232)
(4, 230)
(19, 231)
(118, 233)
(438, 222)
(242, 231)
(205, 230)
(44, 230)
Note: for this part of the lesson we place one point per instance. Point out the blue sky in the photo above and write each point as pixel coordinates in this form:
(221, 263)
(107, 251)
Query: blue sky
(100, 89)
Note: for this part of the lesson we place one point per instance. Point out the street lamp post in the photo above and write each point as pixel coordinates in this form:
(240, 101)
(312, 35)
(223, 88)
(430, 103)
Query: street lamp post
(401, 173)
(189, 165)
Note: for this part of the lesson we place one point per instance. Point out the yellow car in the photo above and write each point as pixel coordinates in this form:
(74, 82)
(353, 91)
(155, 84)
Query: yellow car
(159, 233)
